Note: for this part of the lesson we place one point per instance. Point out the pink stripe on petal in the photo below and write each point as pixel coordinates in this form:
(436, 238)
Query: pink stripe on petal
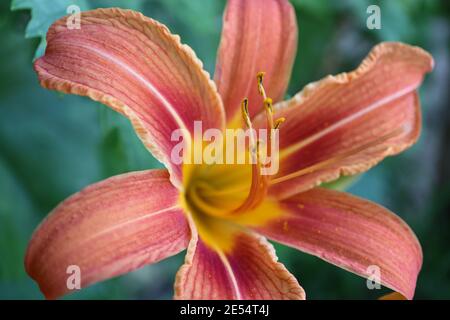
(249, 271)
(257, 35)
(109, 228)
(351, 233)
(204, 276)
(134, 65)
(257, 272)
(345, 124)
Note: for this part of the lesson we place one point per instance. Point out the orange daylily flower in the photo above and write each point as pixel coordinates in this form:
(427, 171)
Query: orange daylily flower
(222, 214)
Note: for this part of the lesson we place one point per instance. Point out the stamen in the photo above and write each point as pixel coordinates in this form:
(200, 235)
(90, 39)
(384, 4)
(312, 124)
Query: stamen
(259, 185)
(252, 198)
(248, 122)
(242, 197)
(268, 103)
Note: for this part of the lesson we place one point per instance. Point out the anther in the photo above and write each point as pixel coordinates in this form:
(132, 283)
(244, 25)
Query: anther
(278, 123)
(259, 78)
(245, 113)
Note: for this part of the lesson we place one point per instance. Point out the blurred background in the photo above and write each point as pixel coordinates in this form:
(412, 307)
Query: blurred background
(52, 145)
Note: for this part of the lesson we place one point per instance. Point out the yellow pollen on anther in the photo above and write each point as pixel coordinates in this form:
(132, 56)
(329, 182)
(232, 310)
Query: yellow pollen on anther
(228, 190)
(278, 123)
(259, 185)
(245, 113)
(268, 103)
(260, 78)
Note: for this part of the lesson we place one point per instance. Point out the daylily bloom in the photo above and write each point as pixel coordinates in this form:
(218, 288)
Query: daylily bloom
(222, 214)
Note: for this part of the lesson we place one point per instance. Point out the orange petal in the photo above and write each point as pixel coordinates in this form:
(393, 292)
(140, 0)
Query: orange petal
(258, 35)
(233, 264)
(109, 228)
(134, 65)
(346, 124)
(351, 233)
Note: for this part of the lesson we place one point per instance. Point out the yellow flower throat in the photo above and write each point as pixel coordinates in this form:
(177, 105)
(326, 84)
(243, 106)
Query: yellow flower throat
(231, 189)
(231, 192)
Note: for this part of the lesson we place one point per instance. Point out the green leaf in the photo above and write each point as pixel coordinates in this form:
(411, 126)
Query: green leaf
(119, 150)
(43, 14)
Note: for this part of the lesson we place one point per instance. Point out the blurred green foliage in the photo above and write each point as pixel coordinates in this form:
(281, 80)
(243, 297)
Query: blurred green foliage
(53, 145)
